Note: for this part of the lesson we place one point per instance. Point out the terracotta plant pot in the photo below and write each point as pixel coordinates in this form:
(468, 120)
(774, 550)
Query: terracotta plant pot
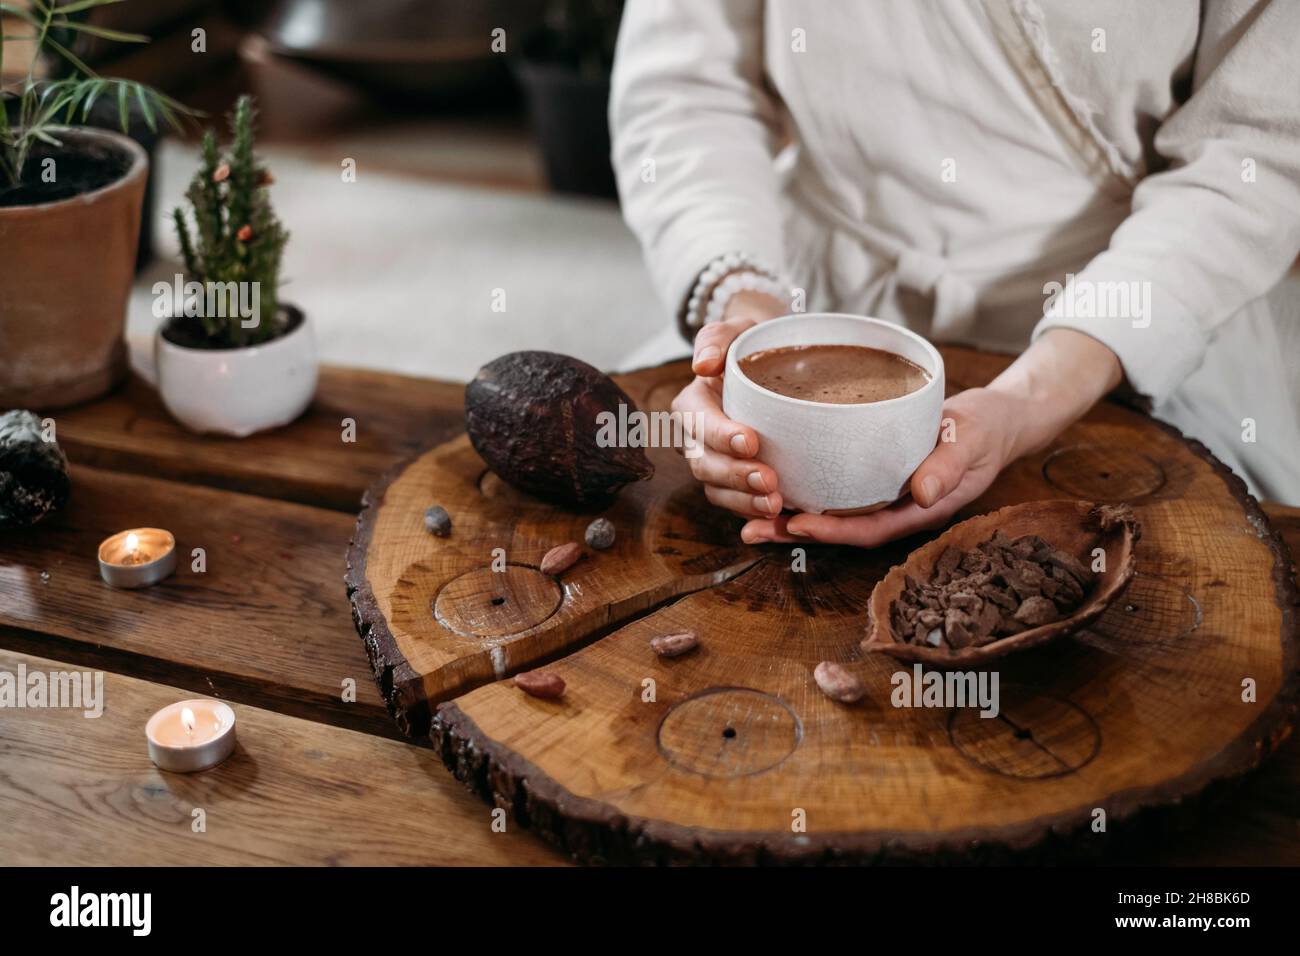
(68, 266)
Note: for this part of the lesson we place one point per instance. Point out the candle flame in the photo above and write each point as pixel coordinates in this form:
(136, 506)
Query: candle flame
(187, 720)
(132, 543)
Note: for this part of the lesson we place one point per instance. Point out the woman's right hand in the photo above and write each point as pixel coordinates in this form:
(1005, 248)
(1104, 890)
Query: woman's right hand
(723, 453)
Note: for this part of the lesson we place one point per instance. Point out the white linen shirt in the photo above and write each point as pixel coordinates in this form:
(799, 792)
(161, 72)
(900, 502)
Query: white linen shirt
(955, 164)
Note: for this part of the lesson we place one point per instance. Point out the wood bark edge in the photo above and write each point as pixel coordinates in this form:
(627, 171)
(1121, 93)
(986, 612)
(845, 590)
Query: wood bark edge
(401, 687)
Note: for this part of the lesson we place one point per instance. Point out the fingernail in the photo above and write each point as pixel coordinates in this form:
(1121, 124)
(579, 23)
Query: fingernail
(763, 504)
(739, 445)
(796, 533)
(708, 354)
(756, 481)
(751, 537)
(930, 490)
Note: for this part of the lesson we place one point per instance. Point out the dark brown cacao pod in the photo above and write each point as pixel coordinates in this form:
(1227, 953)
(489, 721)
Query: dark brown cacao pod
(533, 417)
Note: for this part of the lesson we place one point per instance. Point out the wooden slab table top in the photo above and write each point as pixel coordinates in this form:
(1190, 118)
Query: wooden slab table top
(323, 774)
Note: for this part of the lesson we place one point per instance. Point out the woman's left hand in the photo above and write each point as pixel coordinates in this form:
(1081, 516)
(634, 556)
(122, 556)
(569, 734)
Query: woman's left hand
(1050, 386)
(979, 429)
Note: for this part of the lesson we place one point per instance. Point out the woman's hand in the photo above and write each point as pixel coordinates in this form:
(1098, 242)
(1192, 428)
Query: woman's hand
(1050, 386)
(981, 424)
(723, 456)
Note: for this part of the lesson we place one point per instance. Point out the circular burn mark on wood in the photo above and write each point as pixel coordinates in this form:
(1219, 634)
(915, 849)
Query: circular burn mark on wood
(1151, 613)
(1034, 736)
(729, 732)
(487, 603)
(1101, 473)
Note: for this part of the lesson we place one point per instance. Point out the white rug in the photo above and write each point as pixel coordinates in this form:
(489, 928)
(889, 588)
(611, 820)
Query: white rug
(400, 273)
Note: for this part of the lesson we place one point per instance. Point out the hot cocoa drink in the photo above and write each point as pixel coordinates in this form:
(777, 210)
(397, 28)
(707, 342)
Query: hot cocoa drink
(845, 407)
(835, 374)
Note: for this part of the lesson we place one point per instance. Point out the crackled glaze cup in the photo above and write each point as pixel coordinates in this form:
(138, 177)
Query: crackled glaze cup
(842, 459)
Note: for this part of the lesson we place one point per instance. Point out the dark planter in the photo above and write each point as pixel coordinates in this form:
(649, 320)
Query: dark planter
(569, 113)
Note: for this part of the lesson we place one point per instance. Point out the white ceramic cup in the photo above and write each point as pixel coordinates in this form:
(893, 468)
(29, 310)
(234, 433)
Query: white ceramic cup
(837, 458)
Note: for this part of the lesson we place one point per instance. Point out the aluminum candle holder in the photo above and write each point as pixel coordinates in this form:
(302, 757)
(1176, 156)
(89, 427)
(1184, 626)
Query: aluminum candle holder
(191, 735)
(137, 558)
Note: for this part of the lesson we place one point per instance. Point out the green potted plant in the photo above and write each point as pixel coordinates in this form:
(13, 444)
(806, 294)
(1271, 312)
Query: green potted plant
(564, 69)
(70, 202)
(232, 358)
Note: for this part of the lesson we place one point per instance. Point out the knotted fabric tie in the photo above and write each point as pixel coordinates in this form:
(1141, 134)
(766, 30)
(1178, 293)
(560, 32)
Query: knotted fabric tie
(955, 299)
(853, 245)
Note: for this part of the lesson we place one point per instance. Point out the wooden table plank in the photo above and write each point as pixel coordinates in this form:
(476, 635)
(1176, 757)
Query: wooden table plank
(77, 792)
(307, 461)
(1255, 824)
(267, 623)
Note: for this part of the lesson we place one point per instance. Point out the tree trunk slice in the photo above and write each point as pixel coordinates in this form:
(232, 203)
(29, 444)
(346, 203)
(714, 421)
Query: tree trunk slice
(437, 620)
(738, 746)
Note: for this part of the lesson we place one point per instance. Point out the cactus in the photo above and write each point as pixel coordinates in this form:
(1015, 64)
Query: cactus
(236, 236)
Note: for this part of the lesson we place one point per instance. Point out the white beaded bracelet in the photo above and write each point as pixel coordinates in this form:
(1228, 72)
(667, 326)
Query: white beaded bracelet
(714, 287)
(741, 282)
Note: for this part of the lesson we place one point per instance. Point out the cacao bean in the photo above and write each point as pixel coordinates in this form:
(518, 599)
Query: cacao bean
(560, 558)
(837, 683)
(544, 684)
(674, 645)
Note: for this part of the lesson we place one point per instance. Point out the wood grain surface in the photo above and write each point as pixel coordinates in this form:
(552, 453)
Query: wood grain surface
(1142, 710)
(264, 624)
(78, 791)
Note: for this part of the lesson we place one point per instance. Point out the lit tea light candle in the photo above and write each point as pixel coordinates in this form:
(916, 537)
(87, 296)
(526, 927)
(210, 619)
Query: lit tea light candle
(137, 558)
(191, 735)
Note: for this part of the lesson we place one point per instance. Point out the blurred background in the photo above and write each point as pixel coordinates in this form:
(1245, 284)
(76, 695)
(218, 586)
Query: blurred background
(478, 134)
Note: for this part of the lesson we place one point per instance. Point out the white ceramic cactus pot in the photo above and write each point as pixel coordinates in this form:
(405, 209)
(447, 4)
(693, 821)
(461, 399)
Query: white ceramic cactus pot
(239, 391)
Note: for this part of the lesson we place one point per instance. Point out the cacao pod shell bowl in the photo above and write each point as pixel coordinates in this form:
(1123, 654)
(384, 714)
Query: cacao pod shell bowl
(1074, 527)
